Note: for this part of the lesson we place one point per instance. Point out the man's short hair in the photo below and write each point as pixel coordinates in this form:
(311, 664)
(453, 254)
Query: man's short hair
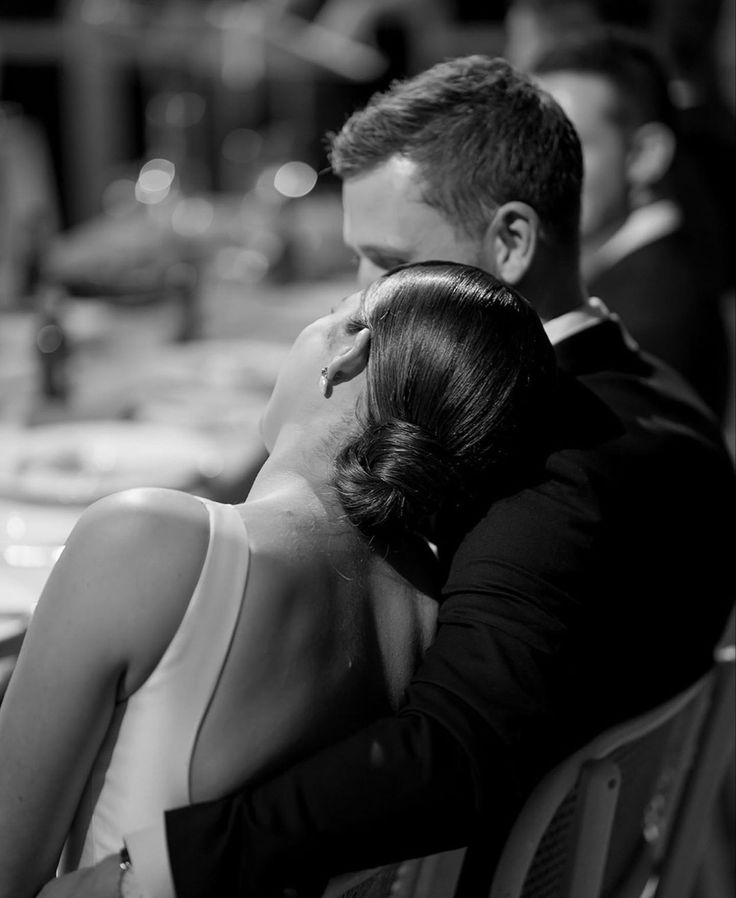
(482, 134)
(624, 58)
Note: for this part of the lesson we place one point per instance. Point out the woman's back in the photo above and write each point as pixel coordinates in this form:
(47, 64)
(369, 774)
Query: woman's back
(328, 636)
(295, 630)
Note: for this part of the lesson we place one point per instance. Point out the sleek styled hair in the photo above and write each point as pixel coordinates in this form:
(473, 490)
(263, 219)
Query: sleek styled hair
(624, 58)
(458, 387)
(482, 134)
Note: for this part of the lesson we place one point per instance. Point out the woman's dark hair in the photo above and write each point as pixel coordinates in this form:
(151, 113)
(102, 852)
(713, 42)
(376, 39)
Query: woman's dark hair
(458, 384)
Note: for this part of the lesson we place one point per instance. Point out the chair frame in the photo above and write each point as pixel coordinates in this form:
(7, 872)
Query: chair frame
(676, 877)
(668, 863)
(670, 869)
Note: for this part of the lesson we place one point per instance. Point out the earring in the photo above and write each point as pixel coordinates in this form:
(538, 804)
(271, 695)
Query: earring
(325, 384)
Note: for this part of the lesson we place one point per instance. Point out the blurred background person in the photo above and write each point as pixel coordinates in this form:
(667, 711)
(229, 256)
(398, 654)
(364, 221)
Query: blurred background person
(532, 26)
(696, 43)
(639, 253)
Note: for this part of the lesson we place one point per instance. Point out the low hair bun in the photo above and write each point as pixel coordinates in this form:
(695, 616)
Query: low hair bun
(392, 478)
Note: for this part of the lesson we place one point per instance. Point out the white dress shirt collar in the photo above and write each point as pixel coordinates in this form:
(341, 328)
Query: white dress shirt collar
(592, 312)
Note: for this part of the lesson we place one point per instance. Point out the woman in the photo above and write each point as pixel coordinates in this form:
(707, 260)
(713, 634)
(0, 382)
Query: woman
(182, 647)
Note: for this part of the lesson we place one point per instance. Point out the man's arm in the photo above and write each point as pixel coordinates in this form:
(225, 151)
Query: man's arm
(475, 732)
(396, 789)
(262, 842)
(420, 782)
(353, 806)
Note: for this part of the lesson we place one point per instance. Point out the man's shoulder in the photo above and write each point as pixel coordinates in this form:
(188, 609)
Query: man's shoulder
(621, 443)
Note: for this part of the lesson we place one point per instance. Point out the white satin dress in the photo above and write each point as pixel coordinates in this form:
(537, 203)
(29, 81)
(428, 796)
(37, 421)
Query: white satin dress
(144, 763)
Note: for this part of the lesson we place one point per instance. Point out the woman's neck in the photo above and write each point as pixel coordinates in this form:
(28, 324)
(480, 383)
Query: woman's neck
(300, 460)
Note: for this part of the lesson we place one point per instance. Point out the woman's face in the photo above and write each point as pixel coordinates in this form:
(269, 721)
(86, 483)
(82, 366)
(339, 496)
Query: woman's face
(297, 395)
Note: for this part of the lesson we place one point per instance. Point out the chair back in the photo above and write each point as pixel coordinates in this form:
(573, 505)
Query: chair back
(626, 814)
(710, 781)
(596, 824)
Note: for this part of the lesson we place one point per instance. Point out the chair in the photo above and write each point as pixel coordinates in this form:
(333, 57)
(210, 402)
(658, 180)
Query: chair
(623, 817)
(712, 773)
(626, 815)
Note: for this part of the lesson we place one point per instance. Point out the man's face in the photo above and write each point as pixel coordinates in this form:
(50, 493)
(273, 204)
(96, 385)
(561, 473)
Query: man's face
(386, 223)
(588, 101)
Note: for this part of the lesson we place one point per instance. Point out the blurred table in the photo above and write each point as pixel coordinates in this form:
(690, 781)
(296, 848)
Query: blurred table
(127, 365)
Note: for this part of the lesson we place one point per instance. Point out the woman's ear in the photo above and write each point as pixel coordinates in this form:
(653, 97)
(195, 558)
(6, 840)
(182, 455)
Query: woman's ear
(347, 364)
(511, 241)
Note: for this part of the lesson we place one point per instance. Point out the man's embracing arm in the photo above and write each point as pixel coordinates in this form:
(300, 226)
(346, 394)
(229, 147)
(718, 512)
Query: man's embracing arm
(451, 761)
(422, 781)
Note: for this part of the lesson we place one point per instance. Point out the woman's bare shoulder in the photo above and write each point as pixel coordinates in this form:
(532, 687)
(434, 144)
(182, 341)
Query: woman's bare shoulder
(134, 559)
(148, 502)
(143, 521)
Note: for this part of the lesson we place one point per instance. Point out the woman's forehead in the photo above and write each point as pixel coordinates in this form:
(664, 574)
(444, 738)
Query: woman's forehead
(351, 304)
(355, 299)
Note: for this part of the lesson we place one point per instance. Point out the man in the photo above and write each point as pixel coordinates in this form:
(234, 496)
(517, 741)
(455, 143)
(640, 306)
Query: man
(579, 600)
(640, 250)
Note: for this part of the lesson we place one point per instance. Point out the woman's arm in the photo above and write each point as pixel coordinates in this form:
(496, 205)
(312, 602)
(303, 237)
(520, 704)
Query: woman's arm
(109, 609)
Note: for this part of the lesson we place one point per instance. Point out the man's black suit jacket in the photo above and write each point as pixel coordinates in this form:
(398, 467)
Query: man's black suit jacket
(584, 598)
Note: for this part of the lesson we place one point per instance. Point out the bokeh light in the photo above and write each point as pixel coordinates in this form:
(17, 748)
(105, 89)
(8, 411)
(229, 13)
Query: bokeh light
(192, 216)
(295, 179)
(154, 181)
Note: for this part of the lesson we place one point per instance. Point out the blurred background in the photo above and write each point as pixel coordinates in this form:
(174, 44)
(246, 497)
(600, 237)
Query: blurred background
(158, 136)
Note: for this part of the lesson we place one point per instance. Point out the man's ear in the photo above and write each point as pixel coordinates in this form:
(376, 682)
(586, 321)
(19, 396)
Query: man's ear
(511, 241)
(650, 156)
(350, 362)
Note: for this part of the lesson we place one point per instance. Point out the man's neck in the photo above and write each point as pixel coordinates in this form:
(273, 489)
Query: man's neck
(553, 289)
